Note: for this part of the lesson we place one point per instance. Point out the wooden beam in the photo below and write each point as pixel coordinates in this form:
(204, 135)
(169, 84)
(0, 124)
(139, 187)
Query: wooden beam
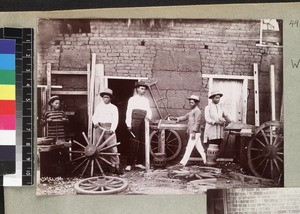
(272, 84)
(256, 94)
(91, 101)
(48, 91)
(52, 86)
(230, 77)
(69, 72)
(245, 96)
(69, 93)
(147, 145)
(126, 78)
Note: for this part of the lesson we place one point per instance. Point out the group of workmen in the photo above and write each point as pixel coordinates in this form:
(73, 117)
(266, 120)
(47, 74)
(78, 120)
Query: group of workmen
(106, 118)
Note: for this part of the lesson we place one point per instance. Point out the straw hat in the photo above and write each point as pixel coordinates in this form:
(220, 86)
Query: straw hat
(214, 93)
(194, 97)
(141, 83)
(52, 99)
(107, 91)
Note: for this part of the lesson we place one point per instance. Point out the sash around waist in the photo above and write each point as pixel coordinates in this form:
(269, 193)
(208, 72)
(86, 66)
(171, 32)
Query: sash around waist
(138, 114)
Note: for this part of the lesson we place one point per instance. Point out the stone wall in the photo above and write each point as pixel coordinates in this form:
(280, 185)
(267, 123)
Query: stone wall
(174, 52)
(263, 201)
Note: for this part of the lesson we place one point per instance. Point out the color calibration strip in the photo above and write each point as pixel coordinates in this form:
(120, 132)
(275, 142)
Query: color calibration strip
(24, 104)
(7, 107)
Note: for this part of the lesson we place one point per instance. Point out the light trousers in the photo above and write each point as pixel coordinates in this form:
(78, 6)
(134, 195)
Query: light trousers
(190, 146)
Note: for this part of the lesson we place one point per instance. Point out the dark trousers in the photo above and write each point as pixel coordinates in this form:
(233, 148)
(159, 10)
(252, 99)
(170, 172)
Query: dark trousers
(137, 145)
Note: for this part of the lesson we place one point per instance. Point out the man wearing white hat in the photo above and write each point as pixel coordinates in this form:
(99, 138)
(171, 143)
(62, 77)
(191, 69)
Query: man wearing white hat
(193, 130)
(138, 109)
(215, 118)
(106, 117)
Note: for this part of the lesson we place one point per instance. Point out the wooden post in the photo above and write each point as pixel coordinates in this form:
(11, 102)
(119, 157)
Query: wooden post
(245, 96)
(99, 83)
(261, 32)
(88, 81)
(272, 83)
(147, 145)
(48, 90)
(91, 101)
(256, 94)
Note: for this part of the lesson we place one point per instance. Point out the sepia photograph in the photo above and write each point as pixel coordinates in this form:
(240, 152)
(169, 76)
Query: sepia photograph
(159, 106)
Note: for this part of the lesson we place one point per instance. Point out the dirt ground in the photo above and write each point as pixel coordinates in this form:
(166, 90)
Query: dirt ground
(159, 181)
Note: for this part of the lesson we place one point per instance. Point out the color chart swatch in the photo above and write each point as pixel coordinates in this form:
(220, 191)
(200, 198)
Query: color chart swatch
(7, 107)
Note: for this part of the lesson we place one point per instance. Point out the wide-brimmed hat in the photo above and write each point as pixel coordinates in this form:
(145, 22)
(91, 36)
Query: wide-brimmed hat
(53, 98)
(141, 83)
(214, 93)
(194, 97)
(107, 91)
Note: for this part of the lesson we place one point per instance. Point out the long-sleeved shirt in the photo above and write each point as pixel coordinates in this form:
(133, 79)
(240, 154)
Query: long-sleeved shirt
(214, 113)
(137, 102)
(106, 113)
(193, 117)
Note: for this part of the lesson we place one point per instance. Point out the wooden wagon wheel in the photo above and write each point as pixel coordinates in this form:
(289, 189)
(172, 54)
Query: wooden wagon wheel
(173, 143)
(265, 151)
(91, 156)
(101, 185)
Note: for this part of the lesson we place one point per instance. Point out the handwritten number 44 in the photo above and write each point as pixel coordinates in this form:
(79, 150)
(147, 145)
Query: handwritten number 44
(294, 23)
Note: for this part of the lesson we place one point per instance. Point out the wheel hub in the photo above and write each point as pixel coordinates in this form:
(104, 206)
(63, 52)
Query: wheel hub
(90, 151)
(270, 152)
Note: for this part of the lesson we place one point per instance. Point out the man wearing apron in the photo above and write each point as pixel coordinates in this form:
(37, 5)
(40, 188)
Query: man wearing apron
(138, 109)
(106, 117)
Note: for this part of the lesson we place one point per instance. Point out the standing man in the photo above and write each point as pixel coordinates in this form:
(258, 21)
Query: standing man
(138, 109)
(215, 119)
(193, 131)
(106, 118)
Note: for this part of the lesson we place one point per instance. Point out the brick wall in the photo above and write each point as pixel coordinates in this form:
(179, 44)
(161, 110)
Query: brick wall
(263, 201)
(174, 52)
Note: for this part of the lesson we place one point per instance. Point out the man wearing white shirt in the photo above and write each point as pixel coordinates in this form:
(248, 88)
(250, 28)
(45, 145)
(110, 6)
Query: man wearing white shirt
(106, 117)
(138, 109)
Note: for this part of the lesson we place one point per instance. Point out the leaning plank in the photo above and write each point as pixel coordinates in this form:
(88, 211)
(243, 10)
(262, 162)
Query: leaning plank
(69, 93)
(69, 72)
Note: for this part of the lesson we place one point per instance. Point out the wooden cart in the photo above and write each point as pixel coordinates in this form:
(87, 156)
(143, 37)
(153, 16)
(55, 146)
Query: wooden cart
(164, 138)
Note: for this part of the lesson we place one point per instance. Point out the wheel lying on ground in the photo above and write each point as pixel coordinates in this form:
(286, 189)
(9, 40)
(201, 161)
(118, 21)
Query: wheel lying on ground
(173, 143)
(102, 185)
(265, 151)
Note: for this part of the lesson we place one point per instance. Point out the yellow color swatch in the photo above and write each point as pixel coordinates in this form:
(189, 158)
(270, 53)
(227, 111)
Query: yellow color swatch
(7, 92)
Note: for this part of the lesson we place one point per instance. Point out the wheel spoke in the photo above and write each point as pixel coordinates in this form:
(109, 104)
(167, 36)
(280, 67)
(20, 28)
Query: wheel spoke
(77, 152)
(280, 153)
(100, 138)
(87, 164)
(155, 148)
(255, 149)
(257, 157)
(260, 142)
(106, 161)
(278, 142)
(276, 164)
(260, 164)
(108, 147)
(172, 152)
(168, 136)
(79, 144)
(272, 169)
(154, 142)
(265, 137)
(106, 141)
(76, 159)
(99, 166)
(263, 172)
(92, 168)
(280, 159)
(171, 141)
(86, 139)
(79, 165)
